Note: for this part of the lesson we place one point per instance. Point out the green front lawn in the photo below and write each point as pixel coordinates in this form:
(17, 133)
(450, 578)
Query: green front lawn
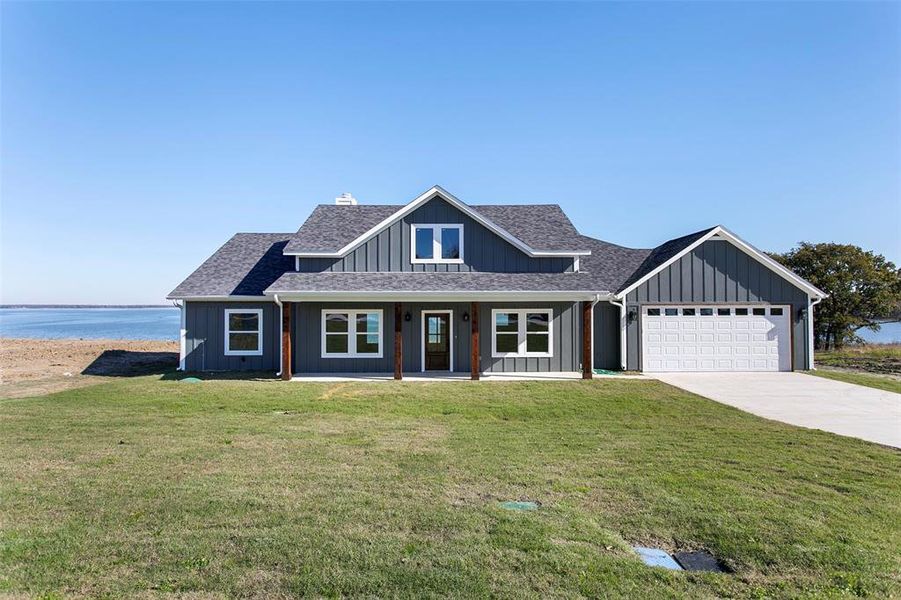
(264, 488)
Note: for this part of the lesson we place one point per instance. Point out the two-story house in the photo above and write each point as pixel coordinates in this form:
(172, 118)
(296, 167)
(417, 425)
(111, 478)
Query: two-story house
(440, 285)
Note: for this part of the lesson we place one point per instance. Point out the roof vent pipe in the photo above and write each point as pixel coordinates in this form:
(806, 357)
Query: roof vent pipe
(346, 199)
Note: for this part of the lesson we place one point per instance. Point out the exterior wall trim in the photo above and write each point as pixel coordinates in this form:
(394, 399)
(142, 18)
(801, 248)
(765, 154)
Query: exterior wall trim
(266, 298)
(227, 331)
(436, 244)
(450, 333)
(352, 333)
(456, 203)
(522, 333)
(462, 296)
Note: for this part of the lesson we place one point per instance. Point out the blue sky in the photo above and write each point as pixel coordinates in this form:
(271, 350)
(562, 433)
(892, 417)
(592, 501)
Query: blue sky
(136, 138)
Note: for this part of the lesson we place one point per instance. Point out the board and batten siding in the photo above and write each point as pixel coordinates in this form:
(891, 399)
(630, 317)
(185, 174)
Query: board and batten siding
(717, 272)
(567, 334)
(606, 338)
(307, 332)
(205, 338)
(483, 250)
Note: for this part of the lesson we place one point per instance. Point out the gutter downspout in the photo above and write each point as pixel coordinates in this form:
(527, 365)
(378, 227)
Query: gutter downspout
(622, 331)
(281, 319)
(182, 333)
(810, 305)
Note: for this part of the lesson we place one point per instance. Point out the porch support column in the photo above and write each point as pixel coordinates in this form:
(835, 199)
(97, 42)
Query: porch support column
(586, 340)
(398, 342)
(474, 340)
(287, 309)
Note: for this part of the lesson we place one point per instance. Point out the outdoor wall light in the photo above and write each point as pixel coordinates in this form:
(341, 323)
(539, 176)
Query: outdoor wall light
(408, 316)
(465, 317)
(633, 314)
(801, 313)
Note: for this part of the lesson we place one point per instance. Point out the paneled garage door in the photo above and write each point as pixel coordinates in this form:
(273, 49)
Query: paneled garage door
(716, 338)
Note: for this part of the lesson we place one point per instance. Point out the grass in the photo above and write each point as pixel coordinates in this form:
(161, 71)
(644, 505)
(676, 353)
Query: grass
(873, 365)
(259, 488)
(872, 358)
(880, 382)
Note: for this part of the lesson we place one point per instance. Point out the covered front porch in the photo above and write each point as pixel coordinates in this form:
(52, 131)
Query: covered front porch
(432, 339)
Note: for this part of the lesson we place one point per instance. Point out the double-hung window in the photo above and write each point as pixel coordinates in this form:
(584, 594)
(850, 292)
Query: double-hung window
(436, 243)
(352, 333)
(243, 332)
(522, 332)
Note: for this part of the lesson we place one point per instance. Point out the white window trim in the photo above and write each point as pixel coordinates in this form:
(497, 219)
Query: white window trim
(521, 333)
(425, 335)
(351, 332)
(436, 244)
(243, 311)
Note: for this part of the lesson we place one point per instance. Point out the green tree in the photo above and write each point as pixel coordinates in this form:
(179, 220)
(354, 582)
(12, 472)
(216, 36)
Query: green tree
(863, 287)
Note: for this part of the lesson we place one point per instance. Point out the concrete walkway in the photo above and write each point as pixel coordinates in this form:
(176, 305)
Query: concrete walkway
(803, 400)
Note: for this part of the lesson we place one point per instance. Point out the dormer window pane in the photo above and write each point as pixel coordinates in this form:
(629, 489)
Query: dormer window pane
(450, 243)
(425, 247)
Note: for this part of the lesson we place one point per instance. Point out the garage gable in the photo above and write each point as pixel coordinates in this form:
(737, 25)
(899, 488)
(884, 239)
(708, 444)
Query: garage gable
(716, 271)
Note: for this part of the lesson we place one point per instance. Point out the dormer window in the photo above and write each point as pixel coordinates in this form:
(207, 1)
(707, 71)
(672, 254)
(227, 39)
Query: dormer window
(436, 243)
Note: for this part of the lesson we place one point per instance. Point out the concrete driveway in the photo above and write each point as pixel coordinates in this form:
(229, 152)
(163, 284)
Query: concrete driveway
(804, 400)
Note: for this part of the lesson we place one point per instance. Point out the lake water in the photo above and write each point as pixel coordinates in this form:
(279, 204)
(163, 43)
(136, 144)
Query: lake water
(90, 323)
(889, 333)
(164, 323)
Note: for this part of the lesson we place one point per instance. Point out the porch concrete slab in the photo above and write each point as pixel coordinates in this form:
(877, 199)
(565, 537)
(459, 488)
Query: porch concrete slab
(371, 377)
(803, 400)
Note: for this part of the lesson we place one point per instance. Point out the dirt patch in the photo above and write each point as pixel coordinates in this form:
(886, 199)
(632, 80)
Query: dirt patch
(883, 359)
(36, 367)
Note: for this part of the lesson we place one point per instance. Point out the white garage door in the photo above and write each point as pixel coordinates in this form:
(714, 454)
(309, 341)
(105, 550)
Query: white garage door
(716, 338)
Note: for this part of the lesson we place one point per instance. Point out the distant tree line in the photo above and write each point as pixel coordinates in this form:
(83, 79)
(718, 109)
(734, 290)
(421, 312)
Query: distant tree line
(864, 289)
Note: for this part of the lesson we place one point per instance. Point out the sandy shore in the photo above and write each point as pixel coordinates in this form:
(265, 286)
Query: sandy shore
(35, 367)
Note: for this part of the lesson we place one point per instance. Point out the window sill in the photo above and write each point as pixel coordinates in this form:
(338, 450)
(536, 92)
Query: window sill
(243, 353)
(432, 261)
(379, 355)
(527, 355)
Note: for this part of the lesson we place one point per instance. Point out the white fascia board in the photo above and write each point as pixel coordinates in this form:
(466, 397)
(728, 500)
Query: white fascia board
(724, 234)
(267, 298)
(468, 296)
(459, 205)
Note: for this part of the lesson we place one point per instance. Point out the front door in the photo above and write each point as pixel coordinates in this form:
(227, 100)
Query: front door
(437, 341)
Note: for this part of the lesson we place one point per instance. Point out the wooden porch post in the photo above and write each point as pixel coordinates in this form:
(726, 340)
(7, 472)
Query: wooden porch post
(398, 342)
(287, 307)
(586, 341)
(474, 340)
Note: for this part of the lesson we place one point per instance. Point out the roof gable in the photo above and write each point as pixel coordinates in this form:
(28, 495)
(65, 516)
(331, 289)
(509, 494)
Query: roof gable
(669, 252)
(538, 230)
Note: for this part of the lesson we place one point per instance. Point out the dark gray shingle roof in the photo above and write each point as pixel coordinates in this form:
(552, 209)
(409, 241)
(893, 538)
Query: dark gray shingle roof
(430, 282)
(609, 266)
(330, 227)
(663, 253)
(245, 265)
(541, 226)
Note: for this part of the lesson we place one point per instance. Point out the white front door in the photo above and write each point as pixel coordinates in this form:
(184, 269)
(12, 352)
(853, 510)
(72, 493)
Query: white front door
(716, 338)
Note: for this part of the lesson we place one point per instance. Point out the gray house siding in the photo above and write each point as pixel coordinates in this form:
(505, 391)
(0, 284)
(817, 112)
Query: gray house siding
(307, 327)
(718, 272)
(483, 250)
(307, 335)
(567, 340)
(606, 338)
(205, 338)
